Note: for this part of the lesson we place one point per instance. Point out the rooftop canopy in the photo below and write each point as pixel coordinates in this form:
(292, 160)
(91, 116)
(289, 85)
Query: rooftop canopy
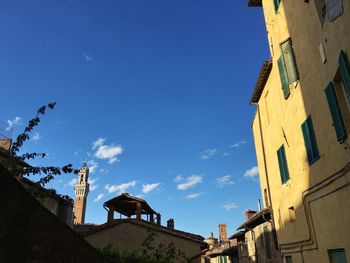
(126, 204)
(257, 219)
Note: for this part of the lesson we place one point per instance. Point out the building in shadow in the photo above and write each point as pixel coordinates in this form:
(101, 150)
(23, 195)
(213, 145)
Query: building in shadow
(301, 126)
(138, 222)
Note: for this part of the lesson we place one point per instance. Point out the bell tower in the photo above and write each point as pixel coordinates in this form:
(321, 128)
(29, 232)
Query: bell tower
(81, 192)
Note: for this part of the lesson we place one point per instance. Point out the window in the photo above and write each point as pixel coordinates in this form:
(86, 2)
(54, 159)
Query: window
(338, 122)
(289, 259)
(330, 8)
(310, 141)
(345, 74)
(291, 212)
(282, 162)
(267, 241)
(287, 66)
(337, 256)
(277, 4)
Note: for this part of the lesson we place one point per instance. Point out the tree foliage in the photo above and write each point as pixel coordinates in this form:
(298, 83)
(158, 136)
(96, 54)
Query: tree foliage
(17, 163)
(152, 252)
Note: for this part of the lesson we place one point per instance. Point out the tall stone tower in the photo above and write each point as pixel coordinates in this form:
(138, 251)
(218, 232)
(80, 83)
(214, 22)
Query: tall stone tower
(81, 192)
(222, 233)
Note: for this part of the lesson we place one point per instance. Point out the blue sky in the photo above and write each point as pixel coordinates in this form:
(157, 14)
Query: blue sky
(153, 95)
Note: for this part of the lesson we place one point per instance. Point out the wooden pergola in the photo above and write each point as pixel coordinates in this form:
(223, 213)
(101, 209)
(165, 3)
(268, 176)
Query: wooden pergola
(129, 206)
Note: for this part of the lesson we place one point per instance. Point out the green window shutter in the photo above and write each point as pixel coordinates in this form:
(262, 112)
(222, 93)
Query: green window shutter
(283, 76)
(289, 61)
(282, 163)
(337, 255)
(310, 141)
(267, 242)
(277, 4)
(345, 72)
(337, 117)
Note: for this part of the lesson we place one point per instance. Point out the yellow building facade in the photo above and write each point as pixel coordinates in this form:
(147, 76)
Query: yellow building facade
(301, 127)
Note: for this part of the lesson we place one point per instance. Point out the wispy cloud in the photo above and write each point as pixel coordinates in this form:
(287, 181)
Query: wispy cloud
(224, 180)
(12, 123)
(36, 136)
(99, 197)
(72, 182)
(87, 57)
(226, 154)
(238, 144)
(93, 186)
(121, 188)
(207, 154)
(252, 172)
(190, 182)
(193, 196)
(106, 152)
(146, 188)
(230, 205)
(178, 178)
(99, 142)
(92, 164)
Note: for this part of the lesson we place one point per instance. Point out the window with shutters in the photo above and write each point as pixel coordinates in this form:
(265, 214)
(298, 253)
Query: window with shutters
(283, 165)
(337, 256)
(287, 66)
(289, 259)
(331, 9)
(338, 98)
(310, 141)
(267, 241)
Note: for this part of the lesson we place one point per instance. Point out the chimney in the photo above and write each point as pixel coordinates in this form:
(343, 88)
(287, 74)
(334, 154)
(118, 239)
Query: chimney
(222, 233)
(249, 213)
(259, 205)
(211, 235)
(170, 224)
(158, 219)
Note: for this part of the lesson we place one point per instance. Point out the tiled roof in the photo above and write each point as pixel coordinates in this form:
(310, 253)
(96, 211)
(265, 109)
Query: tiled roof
(257, 219)
(261, 81)
(254, 3)
(181, 234)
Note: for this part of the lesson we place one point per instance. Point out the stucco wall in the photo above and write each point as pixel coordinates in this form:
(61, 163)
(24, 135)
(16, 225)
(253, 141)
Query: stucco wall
(127, 236)
(325, 211)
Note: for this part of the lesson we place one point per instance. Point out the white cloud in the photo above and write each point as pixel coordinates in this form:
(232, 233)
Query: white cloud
(224, 180)
(15, 121)
(121, 188)
(99, 197)
(99, 142)
(238, 144)
(146, 188)
(92, 164)
(113, 160)
(93, 185)
(252, 172)
(178, 178)
(226, 154)
(193, 196)
(36, 136)
(72, 182)
(230, 205)
(191, 181)
(207, 154)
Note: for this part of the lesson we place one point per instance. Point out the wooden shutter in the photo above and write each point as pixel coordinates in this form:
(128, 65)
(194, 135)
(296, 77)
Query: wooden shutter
(310, 140)
(283, 76)
(289, 61)
(282, 162)
(345, 72)
(337, 117)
